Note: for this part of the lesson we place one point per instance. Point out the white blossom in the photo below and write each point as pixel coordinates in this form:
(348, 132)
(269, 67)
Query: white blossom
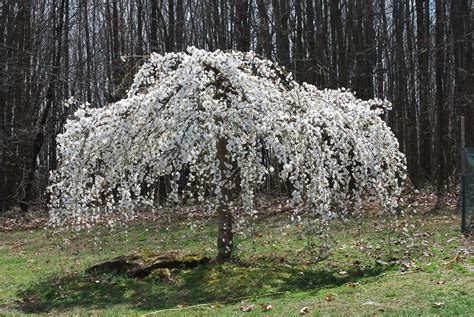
(334, 148)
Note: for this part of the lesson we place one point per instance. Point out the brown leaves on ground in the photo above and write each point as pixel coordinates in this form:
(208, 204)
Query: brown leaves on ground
(304, 310)
(330, 298)
(250, 308)
(266, 307)
(20, 223)
(247, 309)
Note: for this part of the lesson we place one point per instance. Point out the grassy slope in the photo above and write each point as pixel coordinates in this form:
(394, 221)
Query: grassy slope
(423, 271)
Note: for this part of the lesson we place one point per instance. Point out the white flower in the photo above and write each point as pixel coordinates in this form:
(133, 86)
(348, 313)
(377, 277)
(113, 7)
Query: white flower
(331, 146)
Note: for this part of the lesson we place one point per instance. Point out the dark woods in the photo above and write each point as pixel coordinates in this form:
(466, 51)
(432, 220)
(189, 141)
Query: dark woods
(415, 53)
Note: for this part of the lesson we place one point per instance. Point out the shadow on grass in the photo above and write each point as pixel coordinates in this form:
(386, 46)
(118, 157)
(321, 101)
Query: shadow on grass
(204, 284)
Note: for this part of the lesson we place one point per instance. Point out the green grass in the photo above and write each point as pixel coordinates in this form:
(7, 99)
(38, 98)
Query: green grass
(369, 268)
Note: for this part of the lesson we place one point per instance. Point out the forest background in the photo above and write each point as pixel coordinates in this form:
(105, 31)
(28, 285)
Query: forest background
(415, 53)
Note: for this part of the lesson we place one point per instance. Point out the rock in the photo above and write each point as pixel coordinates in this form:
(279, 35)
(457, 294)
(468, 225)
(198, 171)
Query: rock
(142, 264)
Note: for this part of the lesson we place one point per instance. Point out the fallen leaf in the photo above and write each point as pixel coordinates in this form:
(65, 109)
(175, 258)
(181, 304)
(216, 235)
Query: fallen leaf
(247, 309)
(381, 262)
(304, 310)
(215, 306)
(266, 307)
(329, 297)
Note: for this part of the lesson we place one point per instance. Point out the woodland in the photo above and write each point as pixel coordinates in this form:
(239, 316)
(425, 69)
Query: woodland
(416, 54)
(198, 157)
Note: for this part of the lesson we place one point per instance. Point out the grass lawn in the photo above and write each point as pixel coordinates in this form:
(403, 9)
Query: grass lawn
(424, 267)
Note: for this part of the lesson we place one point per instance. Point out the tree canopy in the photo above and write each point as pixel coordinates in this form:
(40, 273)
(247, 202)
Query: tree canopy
(212, 118)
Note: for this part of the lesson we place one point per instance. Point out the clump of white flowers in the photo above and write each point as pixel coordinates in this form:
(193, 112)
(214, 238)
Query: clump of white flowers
(333, 148)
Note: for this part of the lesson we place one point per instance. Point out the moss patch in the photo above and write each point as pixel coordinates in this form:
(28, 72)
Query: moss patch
(143, 263)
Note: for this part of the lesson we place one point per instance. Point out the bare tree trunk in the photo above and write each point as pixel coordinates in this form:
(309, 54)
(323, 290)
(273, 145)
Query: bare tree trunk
(118, 89)
(298, 56)
(139, 45)
(265, 36)
(280, 17)
(22, 111)
(423, 43)
(400, 97)
(385, 91)
(179, 26)
(171, 27)
(440, 107)
(412, 110)
(154, 26)
(464, 92)
(243, 28)
(51, 102)
(367, 50)
(4, 144)
(339, 55)
(311, 63)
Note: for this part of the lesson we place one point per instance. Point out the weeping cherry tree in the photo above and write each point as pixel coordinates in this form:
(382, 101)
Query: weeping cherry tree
(210, 118)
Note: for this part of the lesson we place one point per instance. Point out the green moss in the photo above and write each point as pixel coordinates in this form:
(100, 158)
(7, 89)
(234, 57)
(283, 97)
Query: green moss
(160, 273)
(190, 258)
(146, 256)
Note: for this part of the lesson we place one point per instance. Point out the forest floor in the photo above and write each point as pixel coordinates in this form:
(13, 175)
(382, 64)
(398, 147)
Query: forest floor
(416, 265)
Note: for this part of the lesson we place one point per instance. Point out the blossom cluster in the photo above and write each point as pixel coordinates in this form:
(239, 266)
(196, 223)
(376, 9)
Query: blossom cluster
(334, 148)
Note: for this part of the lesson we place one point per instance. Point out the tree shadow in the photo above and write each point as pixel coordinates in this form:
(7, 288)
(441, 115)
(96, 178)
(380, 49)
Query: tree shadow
(204, 284)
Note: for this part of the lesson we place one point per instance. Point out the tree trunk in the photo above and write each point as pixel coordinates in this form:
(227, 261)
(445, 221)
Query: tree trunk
(400, 98)
(462, 34)
(224, 215)
(298, 47)
(311, 63)
(179, 25)
(171, 27)
(154, 26)
(412, 110)
(423, 42)
(243, 27)
(4, 143)
(280, 17)
(440, 106)
(51, 96)
(265, 36)
(139, 44)
(339, 54)
(22, 114)
(325, 74)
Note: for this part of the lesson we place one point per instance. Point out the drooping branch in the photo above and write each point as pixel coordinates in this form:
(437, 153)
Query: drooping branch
(205, 120)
